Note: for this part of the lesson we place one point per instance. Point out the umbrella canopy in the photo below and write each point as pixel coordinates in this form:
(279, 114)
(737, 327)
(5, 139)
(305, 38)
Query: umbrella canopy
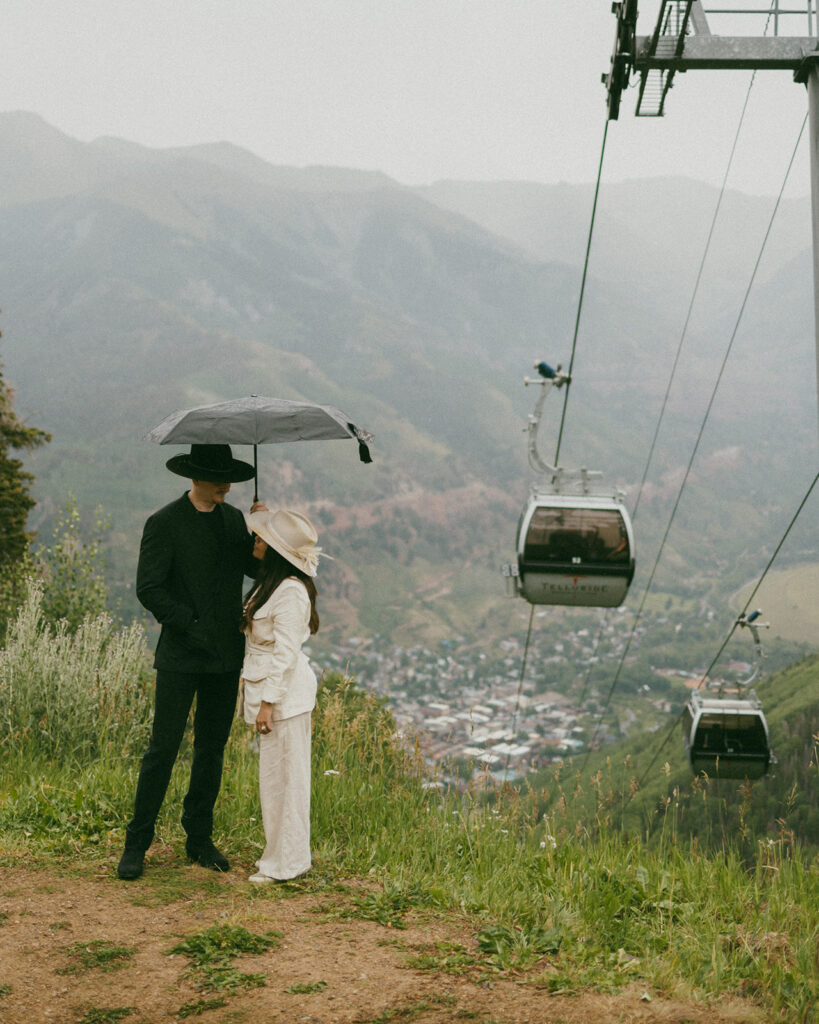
(258, 420)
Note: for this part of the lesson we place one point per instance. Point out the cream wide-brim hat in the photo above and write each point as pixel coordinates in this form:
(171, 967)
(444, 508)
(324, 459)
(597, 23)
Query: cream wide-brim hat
(290, 533)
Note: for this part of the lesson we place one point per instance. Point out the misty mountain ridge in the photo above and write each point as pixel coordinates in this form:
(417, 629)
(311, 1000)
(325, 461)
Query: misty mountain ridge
(135, 281)
(38, 161)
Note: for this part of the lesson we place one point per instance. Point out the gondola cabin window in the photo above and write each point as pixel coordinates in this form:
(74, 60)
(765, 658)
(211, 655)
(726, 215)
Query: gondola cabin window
(730, 734)
(576, 536)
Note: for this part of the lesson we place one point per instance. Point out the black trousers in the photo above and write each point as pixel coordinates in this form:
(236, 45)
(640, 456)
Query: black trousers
(215, 695)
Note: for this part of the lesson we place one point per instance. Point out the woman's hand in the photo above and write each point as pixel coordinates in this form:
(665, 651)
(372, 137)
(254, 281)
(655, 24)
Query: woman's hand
(264, 719)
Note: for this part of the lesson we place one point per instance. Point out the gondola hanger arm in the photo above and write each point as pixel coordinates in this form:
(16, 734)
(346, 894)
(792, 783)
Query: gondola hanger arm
(548, 379)
(560, 477)
(752, 622)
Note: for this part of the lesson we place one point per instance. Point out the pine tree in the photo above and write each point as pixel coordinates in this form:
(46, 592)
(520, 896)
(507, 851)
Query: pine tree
(15, 498)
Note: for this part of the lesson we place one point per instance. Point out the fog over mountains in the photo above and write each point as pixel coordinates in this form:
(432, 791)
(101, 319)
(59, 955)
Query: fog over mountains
(136, 281)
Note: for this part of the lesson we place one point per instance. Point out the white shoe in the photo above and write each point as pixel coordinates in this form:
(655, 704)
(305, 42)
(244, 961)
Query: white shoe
(260, 879)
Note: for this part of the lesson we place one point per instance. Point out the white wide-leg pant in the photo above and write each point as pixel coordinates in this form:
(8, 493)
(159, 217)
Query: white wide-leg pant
(284, 789)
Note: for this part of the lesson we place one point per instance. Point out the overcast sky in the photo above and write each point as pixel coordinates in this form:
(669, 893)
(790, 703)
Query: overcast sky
(419, 89)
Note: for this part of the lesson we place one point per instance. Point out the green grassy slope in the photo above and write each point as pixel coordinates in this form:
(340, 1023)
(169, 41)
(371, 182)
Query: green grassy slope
(564, 905)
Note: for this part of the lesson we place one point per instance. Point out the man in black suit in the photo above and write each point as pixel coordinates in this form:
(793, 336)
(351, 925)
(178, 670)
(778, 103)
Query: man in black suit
(194, 555)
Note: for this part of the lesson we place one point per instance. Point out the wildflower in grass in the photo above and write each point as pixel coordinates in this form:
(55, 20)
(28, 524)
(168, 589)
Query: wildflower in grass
(332, 771)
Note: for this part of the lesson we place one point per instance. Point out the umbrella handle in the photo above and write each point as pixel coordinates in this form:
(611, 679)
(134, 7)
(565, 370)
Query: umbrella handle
(255, 475)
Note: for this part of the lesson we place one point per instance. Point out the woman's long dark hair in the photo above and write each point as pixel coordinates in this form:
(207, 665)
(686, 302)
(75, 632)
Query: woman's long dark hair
(273, 570)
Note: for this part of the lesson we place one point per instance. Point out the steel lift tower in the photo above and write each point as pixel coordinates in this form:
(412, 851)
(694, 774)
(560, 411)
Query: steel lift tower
(682, 41)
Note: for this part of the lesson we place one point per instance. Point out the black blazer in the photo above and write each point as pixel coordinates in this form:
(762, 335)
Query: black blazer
(190, 577)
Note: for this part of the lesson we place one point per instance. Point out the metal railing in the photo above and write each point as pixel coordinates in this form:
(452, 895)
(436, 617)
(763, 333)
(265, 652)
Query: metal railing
(774, 10)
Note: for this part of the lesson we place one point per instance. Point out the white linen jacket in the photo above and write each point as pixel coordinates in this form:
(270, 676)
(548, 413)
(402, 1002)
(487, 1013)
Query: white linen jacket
(275, 669)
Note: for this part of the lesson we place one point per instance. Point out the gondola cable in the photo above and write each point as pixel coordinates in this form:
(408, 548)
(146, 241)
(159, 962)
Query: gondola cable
(582, 293)
(683, 336)
(592, 660)
(520, 686)
(694, 293)
(567, 381)
(534, 594)
(572, 533)
(697, 442)
(732, 630)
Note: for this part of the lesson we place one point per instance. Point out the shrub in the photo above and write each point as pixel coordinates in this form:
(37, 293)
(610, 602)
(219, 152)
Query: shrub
(72, 570)
(14, 577)
(72, 695)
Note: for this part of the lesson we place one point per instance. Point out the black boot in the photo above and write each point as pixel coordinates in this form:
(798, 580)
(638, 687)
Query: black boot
(130, 864)
(205, 853)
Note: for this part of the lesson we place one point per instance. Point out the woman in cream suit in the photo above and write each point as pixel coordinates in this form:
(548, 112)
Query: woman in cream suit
(279, 685)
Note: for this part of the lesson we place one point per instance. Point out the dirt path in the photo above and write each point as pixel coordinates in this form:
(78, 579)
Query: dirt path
(350, 971)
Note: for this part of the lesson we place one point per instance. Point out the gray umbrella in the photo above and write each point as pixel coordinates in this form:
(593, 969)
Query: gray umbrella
(257, 420)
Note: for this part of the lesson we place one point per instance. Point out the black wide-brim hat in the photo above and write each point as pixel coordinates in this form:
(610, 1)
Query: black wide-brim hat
(211, 462)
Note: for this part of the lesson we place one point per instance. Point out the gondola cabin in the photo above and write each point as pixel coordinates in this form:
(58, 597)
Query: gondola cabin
(574, 550)
(726, 737)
